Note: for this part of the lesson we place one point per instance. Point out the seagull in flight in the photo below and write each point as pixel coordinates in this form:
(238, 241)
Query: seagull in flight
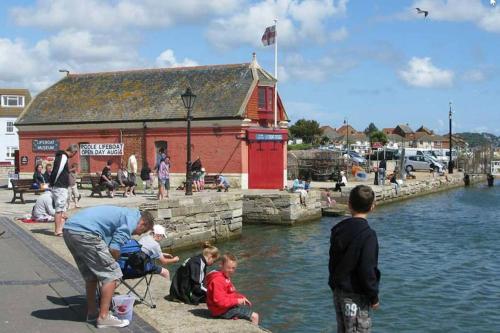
(493, 3)
(425, 12)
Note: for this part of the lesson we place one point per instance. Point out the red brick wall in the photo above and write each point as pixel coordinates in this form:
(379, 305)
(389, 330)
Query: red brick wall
(219, 148)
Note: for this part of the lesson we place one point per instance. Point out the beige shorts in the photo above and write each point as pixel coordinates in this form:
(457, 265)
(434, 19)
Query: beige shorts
(60, 198)
(92, 257)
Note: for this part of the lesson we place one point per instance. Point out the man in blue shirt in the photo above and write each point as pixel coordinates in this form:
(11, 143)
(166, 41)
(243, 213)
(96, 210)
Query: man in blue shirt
(94, 237)
(222, 183)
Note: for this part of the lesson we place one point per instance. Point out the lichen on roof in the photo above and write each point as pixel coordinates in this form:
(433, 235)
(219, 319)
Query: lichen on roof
(141, 95)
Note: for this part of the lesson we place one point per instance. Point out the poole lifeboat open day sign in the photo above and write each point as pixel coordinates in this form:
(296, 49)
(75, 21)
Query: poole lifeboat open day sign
(101, 149)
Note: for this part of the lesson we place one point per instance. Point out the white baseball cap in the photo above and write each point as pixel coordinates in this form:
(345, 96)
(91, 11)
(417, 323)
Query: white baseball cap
(159, 230)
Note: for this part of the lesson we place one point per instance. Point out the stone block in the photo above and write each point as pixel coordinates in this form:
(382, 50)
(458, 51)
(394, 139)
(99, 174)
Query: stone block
(164, 213)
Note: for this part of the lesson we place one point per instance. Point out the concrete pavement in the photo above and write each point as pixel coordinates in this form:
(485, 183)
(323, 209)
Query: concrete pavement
(41, 292)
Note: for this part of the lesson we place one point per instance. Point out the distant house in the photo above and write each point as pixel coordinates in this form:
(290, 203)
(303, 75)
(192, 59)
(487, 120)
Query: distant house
(431, 141)
(114, 114)
(423, 129)
(330, 133)
(344, 129)
(388, 130)
(12, 103)
(395, 141)
(405, 131)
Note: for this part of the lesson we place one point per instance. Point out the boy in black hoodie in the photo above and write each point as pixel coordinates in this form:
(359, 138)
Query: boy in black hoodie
(354, 276)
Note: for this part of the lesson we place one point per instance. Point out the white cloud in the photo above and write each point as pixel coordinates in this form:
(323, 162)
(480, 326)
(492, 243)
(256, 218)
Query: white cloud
(339, 34)
(298, 22)
(167, 59)
(296, 67)
(422, 73)
(109, 15)
(474, 75)
(475, 11)
(78, 51)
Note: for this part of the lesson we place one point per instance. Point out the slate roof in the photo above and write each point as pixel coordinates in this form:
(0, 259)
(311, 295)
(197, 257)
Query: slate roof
(424, 129)
(406, 129)
(144, 95)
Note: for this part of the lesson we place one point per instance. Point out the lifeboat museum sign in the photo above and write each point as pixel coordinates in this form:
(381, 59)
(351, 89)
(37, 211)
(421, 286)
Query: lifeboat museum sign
(101, 149)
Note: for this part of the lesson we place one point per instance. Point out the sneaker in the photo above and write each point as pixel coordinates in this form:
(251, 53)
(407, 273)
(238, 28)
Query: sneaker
(111, 321)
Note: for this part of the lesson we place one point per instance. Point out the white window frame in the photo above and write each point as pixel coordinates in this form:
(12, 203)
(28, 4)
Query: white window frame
(6, 98)
(9, 125)
(9, 152)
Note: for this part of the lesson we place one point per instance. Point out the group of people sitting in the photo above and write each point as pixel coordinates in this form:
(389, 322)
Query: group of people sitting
(302, 187)
(94, 237)
(125, 177)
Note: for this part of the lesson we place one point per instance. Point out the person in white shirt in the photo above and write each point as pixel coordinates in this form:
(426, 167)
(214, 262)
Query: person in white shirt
(151, 246)
(44, 210)
(132, 171)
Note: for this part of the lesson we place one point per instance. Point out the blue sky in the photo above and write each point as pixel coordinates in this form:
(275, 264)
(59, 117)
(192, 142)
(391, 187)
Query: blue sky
(361, 60)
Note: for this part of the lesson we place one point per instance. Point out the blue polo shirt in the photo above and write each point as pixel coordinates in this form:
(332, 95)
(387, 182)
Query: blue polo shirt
(114, 224)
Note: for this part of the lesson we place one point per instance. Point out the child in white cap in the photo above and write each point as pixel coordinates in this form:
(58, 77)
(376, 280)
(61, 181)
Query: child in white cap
(151, 246)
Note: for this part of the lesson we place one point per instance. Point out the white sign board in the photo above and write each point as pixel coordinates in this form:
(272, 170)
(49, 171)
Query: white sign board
(101, 149)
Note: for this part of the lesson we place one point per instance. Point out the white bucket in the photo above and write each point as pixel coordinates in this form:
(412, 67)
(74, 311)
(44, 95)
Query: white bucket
(123, 306)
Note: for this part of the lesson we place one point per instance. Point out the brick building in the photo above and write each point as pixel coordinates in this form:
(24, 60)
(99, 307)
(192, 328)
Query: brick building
(141, 110)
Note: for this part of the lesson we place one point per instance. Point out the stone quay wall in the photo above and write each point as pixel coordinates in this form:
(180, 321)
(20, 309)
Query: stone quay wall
(191, 221)
(414, 188)
(281, 208)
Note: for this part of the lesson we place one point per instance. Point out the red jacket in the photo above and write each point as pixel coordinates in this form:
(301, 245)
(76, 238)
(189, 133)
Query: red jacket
(221, 293)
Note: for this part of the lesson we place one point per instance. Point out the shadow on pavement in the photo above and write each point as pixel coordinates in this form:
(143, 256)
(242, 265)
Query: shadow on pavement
(43, 231)
(204, 313)
(73, 309)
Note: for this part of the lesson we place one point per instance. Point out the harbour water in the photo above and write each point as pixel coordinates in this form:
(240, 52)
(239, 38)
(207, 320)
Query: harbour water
(439, 257)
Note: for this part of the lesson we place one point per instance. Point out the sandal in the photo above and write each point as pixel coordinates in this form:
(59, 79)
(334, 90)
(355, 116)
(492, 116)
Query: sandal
(59, 234)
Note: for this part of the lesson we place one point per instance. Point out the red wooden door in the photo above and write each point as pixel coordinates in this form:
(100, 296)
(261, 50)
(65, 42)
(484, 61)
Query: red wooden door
(265, 165)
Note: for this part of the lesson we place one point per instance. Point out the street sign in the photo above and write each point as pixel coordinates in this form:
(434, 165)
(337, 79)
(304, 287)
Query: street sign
(45, 145)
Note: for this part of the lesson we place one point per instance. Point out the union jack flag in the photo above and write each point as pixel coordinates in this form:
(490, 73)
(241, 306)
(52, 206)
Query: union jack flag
(269, 36)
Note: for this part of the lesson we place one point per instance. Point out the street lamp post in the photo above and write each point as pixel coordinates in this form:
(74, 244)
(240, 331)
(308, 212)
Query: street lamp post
(188, 99)
(347, 137)
(450, 163)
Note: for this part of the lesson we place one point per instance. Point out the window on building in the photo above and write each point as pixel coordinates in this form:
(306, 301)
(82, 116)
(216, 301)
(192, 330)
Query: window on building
(10, 152)
(10, 127)
(266, 98)
(12, 101)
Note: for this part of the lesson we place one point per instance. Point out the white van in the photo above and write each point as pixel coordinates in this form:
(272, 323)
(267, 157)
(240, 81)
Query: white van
(418, 152)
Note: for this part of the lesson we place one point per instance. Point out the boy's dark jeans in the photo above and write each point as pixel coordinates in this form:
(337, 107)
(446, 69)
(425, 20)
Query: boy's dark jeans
(353, 312)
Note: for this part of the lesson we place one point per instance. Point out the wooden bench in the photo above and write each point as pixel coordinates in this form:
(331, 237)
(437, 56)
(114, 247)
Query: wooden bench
(85, 180)
(21, 186)
(210, 181)
(97, 187)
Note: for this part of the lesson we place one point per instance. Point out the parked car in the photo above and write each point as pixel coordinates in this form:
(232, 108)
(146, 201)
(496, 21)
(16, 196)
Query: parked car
(390, 154)
(422, 162)
(355, 157)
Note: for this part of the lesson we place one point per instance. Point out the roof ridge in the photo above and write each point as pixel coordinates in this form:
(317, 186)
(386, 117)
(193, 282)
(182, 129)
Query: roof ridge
(161, 69)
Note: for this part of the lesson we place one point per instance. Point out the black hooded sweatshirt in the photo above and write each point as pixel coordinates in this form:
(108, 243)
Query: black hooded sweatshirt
(187, 283)
(60, 173)
(354, 258)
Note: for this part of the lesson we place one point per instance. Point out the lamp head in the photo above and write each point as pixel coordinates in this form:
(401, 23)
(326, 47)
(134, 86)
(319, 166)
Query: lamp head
(188, 98)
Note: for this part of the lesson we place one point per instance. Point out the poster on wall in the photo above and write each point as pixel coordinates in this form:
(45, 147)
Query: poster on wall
(45, 145)
(101, 149)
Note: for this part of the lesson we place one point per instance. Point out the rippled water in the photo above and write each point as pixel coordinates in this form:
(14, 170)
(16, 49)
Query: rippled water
(439, 257)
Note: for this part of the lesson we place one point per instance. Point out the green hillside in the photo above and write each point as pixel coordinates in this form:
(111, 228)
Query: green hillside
(480, 139)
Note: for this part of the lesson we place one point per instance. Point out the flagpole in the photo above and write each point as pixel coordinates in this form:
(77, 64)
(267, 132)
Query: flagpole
(276, 73)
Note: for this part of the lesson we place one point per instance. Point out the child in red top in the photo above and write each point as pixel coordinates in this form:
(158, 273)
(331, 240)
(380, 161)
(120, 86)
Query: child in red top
(222, 298)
